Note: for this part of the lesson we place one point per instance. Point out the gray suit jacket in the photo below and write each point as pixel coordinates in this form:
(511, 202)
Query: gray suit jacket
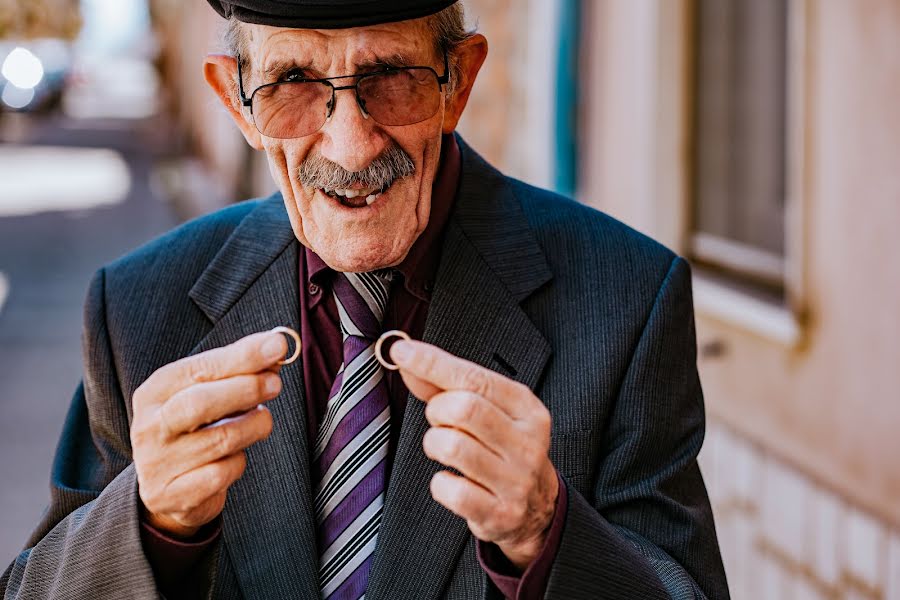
(594, 317)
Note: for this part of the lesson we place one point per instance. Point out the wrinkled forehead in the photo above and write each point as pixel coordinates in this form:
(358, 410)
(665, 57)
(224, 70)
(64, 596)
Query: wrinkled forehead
(339, 51)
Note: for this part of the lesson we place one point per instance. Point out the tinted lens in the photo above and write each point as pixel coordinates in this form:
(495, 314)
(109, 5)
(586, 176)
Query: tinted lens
(401, 97)
(292, 109)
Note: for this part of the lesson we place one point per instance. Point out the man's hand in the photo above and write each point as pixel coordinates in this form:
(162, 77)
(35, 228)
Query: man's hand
(185, 465)
(497, 434)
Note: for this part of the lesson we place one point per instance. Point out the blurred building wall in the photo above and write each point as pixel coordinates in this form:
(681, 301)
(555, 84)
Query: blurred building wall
(802, 455)
(225, 164)
(509, 118)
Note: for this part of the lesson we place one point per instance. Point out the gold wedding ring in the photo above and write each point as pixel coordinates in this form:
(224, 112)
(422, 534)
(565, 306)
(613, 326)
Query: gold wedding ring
(386, 336)
(296, 337)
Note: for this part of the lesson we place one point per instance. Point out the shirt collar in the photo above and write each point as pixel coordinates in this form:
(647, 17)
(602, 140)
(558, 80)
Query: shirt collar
(420, 265)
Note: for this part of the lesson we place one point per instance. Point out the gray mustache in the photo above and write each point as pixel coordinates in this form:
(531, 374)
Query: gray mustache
(394, 163)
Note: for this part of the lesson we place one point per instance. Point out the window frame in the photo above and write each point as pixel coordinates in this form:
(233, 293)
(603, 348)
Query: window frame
(769, 296)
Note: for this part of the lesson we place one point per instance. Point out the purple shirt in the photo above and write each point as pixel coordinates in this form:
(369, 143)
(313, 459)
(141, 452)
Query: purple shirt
(172, 560)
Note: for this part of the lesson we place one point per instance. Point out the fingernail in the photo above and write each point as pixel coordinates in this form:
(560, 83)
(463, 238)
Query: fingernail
(272, 347)
(401, 352)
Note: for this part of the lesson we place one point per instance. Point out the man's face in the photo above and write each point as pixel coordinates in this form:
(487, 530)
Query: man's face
(351, 238)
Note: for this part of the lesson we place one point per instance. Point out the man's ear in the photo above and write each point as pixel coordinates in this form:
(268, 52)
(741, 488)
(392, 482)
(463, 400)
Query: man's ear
(220, 72)
(470, 55)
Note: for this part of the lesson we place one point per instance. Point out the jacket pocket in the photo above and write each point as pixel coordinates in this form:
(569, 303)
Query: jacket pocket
(572, 454)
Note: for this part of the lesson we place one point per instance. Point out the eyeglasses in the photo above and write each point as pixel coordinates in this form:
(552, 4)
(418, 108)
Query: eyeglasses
(393, 96)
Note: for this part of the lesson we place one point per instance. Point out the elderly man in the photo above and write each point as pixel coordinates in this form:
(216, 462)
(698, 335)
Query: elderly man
(539, 441)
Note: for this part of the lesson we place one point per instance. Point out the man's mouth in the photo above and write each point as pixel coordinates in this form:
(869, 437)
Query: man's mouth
(356, 198)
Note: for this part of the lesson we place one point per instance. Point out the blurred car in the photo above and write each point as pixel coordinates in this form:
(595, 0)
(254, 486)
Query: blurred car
(34, 74)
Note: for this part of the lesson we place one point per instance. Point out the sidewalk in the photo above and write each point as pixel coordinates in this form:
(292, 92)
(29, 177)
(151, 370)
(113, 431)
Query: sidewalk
(47, 260)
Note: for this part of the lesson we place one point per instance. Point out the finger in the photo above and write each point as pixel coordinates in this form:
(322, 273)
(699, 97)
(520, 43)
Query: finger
(204, 403)
(462, 497)
(251, 354)
(453, 448)
(418, 387)
(211, 444)
(477, 417)
(448, 372)
(190, 490)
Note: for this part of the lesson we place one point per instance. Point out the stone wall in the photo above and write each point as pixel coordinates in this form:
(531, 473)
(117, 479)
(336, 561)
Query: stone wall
(786, 537)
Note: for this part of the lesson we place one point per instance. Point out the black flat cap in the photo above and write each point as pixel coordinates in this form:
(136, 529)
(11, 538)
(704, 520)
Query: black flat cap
(326, 14)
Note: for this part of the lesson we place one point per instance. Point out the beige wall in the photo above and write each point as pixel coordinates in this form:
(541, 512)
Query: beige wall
(830, 404)
(509, 118)
(190, 30)
(834, 406)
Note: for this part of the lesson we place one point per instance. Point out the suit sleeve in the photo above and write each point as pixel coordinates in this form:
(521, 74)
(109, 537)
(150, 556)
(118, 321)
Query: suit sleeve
(88, 543)
(648, 531)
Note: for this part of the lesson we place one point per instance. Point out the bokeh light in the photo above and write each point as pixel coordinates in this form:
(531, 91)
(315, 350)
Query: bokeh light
(23, 69)
(15, 97)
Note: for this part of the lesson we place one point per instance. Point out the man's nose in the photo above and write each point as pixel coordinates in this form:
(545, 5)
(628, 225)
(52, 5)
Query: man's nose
(351, 138)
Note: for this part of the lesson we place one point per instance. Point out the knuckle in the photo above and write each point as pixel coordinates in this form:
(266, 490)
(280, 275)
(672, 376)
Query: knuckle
(455, 447)
(468, 407)
(428, 364)
(191, 408)
(165, 417)
(542, 417)
(183, 412)
(199, 369)
(146, 493)
(154, 498)
(138, 398)
(225, 440)
(478, 382)
(218, 478)
(251, 353)
(226, 472)
(259, 385)
(520, 389)
(139, 435)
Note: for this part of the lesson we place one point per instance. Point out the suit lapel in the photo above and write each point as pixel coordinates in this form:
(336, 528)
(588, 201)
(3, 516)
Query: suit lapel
(490, 263)
(269, 528)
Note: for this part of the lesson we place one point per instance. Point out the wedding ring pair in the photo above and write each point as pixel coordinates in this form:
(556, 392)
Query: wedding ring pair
(378, 346)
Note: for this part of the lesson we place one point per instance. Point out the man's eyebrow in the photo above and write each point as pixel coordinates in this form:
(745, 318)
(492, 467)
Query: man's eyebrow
(277, 69)
(380, 62)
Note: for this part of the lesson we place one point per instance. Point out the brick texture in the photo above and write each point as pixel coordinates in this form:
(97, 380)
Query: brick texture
(783, 537)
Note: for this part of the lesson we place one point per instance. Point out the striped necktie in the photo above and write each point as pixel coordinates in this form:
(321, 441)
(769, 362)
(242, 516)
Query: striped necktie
(352, 443)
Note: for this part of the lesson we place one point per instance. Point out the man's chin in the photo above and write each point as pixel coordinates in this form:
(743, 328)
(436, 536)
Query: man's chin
(362, 258)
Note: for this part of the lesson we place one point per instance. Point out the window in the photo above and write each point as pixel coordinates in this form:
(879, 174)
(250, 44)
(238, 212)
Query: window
(739, 179)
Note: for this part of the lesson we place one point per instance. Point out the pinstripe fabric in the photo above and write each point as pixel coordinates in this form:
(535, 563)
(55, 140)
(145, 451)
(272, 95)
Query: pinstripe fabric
(351, 449)
(594, 317)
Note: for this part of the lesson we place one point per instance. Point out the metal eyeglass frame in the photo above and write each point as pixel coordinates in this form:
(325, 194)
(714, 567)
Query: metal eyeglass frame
(248, 102)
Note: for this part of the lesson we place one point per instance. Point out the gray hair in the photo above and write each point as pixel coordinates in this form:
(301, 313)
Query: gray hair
(447, 26)
(320, 173)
